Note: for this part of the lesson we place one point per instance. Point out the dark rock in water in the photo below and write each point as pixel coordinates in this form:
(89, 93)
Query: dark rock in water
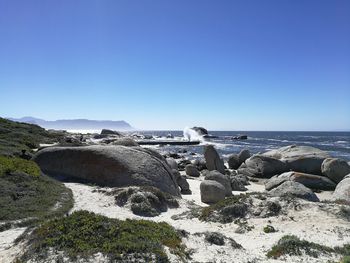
(174, 155)
(213, 160)
(233, 161)
(304, 159)
(212, 191)
(308, 180)
(110, 132)
(170, 136)
(240, 137)
(148, 137)
(114, 166)
(125, 142)
(294, 189)
(243, 155)
(335, 169)
(209, 136)
(342, 191)
(220, 178)
(200, 130)
(263, 166)
(192, 170)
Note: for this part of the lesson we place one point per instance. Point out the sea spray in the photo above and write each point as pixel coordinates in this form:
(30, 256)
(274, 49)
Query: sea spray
(192, 135)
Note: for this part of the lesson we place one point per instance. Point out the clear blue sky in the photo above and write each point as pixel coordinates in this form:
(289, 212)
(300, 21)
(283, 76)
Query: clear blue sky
(225, 65)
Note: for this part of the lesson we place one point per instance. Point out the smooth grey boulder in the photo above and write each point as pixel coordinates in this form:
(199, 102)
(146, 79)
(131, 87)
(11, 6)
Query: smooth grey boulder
(211, 191)
(335, 169)
(192, 170)
(342, 191)
(114, 166)
(266, 167)
(233, 161)
(295, 189)
(237, 184)
(304, 159)
(294, 151)
(125, 142)
(220, 178)
(213, 160)
(172, 163)
(308, 180)
(243, 155)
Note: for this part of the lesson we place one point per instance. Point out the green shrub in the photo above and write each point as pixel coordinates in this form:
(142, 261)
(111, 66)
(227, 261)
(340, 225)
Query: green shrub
(292, 245)
(25, 196)
(345, 259)
(17, 136)
(269, 229)
(15, 164)
(84, 233)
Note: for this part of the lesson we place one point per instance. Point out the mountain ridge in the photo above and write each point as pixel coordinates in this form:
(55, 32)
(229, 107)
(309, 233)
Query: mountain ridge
(77, 124)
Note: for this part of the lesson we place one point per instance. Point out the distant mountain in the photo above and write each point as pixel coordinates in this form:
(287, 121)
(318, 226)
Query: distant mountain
(77, 124)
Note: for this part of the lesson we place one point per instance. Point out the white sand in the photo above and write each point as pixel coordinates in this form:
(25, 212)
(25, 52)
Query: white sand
(8, 251)
(312, 224)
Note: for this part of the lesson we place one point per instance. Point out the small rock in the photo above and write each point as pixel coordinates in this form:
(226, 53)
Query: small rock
(192, 170)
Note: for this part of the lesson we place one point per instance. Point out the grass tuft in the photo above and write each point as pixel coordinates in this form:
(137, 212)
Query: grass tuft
(15, 164)
(82, 234)
(292, 245)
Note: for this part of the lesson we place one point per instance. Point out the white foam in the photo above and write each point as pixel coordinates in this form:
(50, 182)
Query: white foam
(192, 135)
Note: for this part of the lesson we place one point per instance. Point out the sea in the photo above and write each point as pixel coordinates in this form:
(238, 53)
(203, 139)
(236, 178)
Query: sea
(337, 144)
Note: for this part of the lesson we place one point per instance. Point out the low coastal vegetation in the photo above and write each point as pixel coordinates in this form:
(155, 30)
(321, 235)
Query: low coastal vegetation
(237, 207)
(26, 194)
(83, 234)
(16, 137)
(145, 200)
(294, 246)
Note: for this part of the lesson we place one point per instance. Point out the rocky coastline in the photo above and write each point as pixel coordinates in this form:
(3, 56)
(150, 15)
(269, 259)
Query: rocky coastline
(290, 204)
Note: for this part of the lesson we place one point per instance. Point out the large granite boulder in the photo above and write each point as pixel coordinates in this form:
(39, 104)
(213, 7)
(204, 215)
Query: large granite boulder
(243, 155)
(220, 178)
(335, 169)
(213, 160)
(115, 166)
(304, 159)
(263, 166)
(308, 180)
(294, 189)
(342, 191)
(211, 191)
(233, 161)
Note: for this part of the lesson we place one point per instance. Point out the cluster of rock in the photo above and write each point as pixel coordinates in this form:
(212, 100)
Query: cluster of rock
(292, 170)
(144, 201)
(118, 161)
